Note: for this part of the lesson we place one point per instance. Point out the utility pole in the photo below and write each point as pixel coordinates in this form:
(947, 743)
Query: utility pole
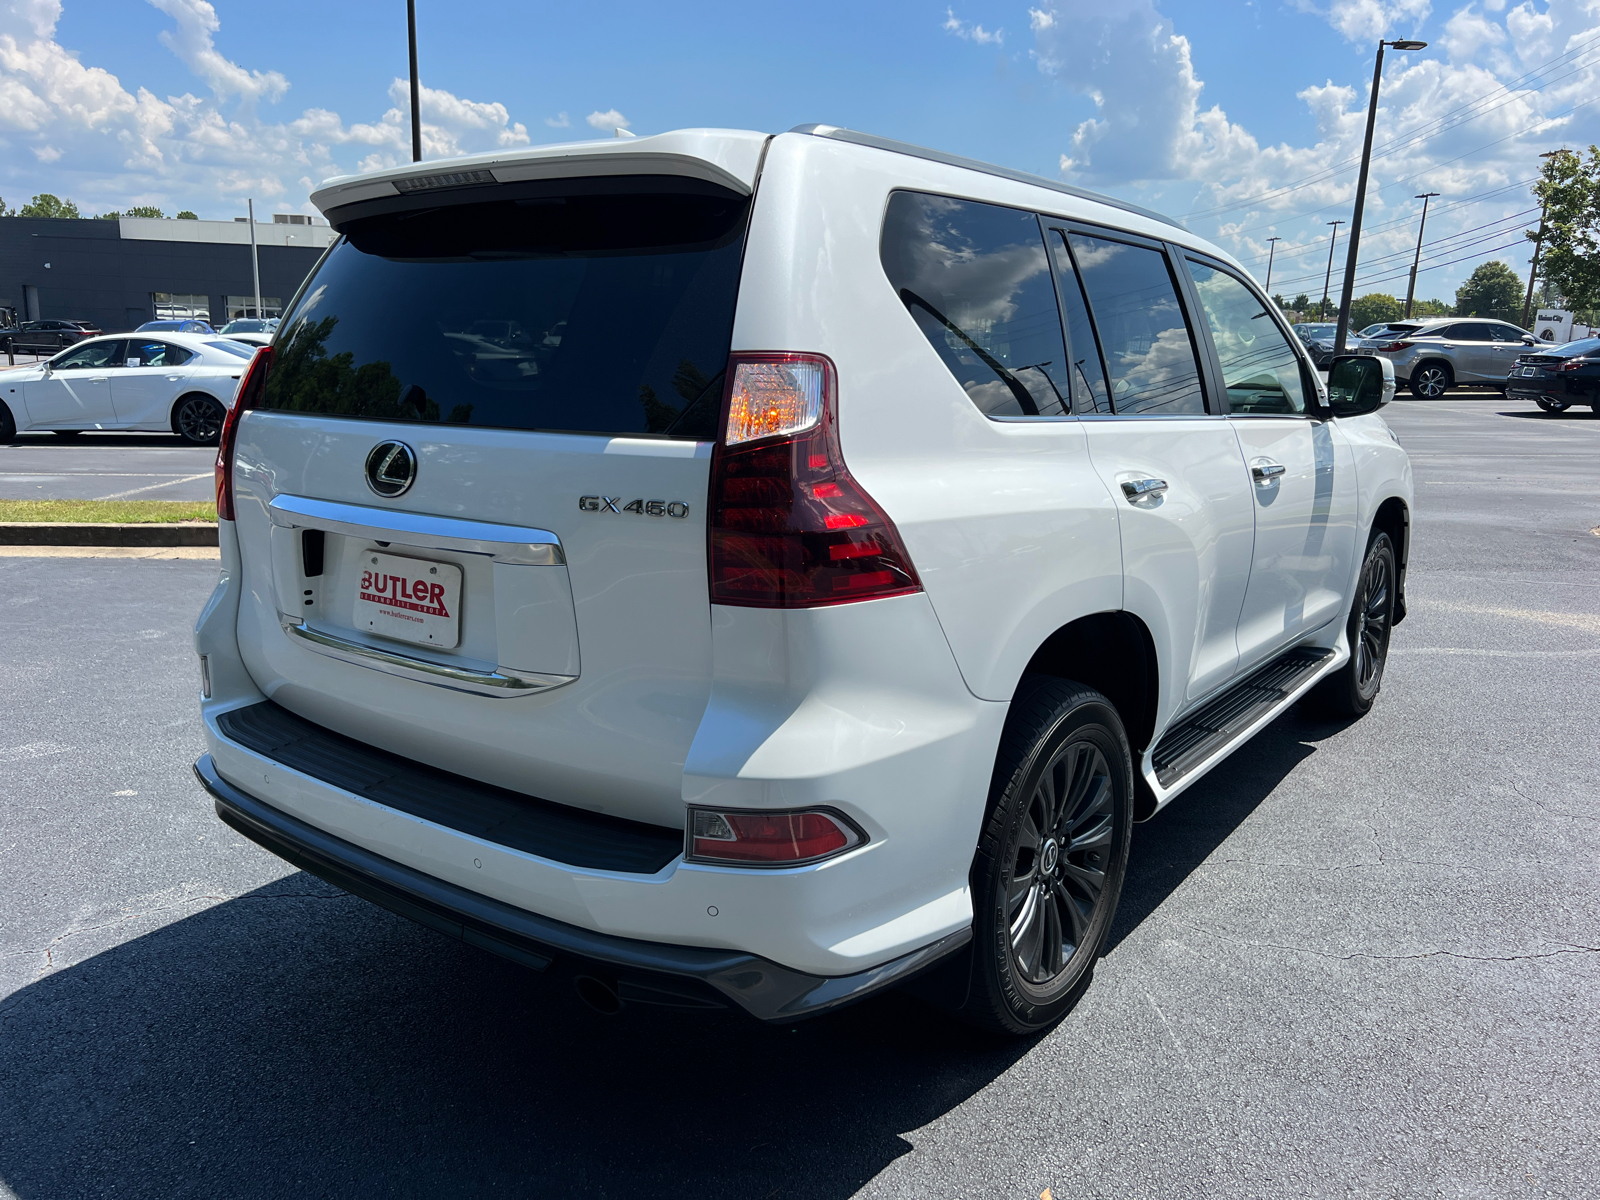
(416, 93)
(1361, 192)
(255, 257)
(1272, 248)
(1411, 288)
(1533, 270)
(1322, 309)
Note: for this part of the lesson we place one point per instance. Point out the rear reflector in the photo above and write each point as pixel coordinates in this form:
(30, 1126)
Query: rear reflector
(790, 527)
(248, 396)
(769, 839)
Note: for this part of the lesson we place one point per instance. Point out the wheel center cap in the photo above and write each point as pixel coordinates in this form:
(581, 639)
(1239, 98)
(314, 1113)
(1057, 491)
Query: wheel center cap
(1050, 856)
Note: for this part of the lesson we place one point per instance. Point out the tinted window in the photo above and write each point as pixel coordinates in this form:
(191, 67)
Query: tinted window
(1469, 331)
(1259, 369)
(237, 349)
(87, 355)
(1505, 333)
(587, 313)
(1089, 392)
(1149, 352)
(151, 353)
(975, 279)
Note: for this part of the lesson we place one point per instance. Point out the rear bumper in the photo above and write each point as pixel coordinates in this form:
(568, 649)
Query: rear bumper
(643, 972)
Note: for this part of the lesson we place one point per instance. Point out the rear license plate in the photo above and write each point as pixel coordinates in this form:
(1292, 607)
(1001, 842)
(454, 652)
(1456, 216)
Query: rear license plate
(411, 599)
(1365, 350)
(1530, 371)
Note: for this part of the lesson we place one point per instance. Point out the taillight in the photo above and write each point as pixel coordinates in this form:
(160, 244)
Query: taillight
(1390, 347)
(1575, 364)
(769, 839)
(248, 396)
(789, 526)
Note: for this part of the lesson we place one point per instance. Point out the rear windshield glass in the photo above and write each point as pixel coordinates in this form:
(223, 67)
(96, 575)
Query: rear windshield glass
(606, 314)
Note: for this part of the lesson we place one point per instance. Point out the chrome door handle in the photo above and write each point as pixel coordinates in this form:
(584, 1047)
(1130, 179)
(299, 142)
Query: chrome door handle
(1142, 489)
(1266, 471)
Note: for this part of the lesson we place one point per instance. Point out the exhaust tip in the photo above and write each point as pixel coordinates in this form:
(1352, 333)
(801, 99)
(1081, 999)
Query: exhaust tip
(598, 994)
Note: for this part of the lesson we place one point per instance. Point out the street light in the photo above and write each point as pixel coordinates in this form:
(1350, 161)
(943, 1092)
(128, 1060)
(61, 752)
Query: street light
(416, 94)
(1272, 248)
(1533, 269)
(1361, 191)
(1411, 288)
(1322, 309)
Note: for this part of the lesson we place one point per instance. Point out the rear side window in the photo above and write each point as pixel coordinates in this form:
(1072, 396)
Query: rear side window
(591, 313)
(976, 280)
(1149, 352)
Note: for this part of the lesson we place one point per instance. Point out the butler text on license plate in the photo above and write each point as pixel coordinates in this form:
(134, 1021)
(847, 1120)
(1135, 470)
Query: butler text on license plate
(412, 599)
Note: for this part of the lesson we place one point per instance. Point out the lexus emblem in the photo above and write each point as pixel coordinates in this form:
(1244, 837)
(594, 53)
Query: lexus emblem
(391, 469)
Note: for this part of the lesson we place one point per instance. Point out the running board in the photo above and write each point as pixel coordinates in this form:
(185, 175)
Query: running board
(1219, 721)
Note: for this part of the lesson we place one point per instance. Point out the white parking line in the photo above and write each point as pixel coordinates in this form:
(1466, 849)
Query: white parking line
(150, 487)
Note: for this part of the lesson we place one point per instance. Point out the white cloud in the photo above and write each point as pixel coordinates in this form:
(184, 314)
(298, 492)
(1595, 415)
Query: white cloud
(1468, 32)
(104, 144)
(976, 33)
(1039, 19)
(1368, 20)
(611, 120)
(559, 121)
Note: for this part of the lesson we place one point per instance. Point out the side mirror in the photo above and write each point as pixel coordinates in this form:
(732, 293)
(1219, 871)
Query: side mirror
(1359, 384)
(1529, 340)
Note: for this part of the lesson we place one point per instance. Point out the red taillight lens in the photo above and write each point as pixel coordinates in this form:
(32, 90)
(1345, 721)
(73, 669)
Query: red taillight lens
(1575, 364)
(1392, 346)
(789, 526)
(249, 396)
(771, 839)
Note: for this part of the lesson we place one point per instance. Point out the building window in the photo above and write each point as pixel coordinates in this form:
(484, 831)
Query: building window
(171, 306)
(245, 306)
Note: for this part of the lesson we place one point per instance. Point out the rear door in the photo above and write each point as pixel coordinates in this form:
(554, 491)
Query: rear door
(152, 374)
(1476, 356)
(507, 393)
(1172, 465)
(1301, 476)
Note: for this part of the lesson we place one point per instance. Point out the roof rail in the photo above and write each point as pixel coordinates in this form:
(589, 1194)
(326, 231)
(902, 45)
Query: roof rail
(973, 164)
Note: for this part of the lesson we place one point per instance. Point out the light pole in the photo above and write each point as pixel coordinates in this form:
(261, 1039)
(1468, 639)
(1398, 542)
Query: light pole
(1322, 309)
(416, 94)
(1361, 192)
(1272, 248)
(1411, 288)
(255, 257)
(1544, 209)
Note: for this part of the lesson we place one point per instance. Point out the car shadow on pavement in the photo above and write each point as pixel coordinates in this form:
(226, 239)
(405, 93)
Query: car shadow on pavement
(297, 1041)
(92, 439)
(1168, 847)
(1570, 414)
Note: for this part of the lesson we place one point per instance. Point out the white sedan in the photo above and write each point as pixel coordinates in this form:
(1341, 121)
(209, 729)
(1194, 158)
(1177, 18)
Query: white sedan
(183, 382)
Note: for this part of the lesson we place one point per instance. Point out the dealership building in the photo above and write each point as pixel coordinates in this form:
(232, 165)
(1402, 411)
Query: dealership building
(117, 274)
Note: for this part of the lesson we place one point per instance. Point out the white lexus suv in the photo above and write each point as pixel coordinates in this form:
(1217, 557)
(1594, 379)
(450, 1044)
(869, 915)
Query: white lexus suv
(733, 570)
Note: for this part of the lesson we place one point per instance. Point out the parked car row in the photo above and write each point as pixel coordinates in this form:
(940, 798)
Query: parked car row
(1558, 377)
(182, 382)
(46, 335)
(58, 335)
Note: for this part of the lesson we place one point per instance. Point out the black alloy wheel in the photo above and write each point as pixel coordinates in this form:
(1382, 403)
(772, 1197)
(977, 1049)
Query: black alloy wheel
(1350, 691)
(1052, 856)
(1431, 381)
(198, 420)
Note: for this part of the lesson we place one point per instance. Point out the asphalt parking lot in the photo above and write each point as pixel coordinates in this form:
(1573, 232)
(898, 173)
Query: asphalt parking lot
(1357, 960)
(106, 466)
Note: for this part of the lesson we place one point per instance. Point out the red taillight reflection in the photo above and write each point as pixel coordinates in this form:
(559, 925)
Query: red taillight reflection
(249, 396)
(768, 838)
(1390, 347)
(789, 526)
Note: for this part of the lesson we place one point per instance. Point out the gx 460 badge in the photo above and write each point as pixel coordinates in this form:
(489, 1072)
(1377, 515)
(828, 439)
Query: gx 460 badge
(643, 508)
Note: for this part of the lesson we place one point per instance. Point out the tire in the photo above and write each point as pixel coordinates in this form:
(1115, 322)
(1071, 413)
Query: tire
(1350, 691)
(1551, 406)
(198, 420)
(8, 425)
(1043, 904)
(1431, 380)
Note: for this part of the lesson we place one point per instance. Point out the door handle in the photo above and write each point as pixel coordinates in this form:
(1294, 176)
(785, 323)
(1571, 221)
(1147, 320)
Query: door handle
(174, 378)
(1266, 471)
(1142, 489)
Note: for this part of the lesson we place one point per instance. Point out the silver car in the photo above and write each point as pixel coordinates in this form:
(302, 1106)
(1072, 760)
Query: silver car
(1439, 353)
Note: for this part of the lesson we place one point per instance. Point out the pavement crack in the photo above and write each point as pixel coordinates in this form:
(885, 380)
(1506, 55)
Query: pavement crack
(1565, 948)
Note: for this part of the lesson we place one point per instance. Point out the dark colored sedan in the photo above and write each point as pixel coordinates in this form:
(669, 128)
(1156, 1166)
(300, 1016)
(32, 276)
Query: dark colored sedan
(47, 335)
(1558, 377)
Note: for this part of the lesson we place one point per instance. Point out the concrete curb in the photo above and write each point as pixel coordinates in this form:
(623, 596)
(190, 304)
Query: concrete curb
(83, 533)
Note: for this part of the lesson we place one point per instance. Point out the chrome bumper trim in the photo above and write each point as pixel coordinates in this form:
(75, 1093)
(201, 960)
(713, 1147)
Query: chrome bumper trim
(502, 682)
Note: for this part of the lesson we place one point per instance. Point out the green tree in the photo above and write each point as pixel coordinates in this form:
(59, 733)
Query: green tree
(46, 205)
(1432, 308)
(144, 210)
(4, 211)
(1372, 308)
(1569, 256)
(1492, 290)
(108, 216)
(186, 215)
(1301, 303)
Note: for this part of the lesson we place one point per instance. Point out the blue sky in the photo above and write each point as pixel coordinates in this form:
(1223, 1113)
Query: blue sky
(1245, 116)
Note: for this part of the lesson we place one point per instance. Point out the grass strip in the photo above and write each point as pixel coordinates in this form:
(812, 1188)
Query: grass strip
(122, 512)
